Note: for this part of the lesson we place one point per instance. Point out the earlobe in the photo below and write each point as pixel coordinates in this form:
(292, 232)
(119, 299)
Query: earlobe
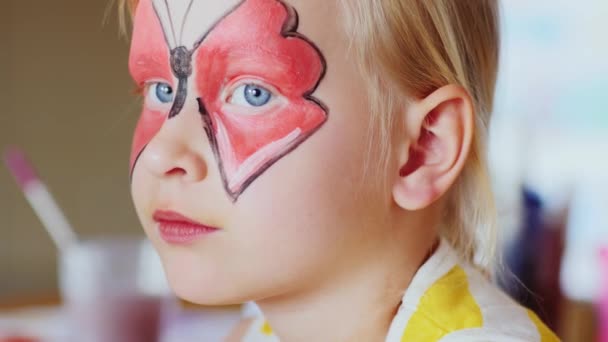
(435, 146)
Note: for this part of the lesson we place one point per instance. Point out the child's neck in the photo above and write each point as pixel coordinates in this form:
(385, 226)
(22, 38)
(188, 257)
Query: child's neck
(352, 306)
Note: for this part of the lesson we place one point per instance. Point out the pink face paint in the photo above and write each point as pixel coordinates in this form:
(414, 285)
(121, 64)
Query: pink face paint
(266, 48)
(149, 60)
(256, 41)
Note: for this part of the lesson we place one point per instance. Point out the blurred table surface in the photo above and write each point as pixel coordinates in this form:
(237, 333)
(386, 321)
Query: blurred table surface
(24, 302)
(42, 317)
(40, 311)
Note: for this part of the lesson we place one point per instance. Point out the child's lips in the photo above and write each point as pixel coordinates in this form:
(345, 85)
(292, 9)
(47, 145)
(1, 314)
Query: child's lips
(175, 228)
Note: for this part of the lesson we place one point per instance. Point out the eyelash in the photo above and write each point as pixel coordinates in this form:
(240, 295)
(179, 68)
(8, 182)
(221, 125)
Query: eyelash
(141, 90)
(230, 93)
(150, 101)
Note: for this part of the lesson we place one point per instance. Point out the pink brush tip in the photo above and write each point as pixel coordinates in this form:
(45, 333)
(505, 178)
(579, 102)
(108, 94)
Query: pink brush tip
(604, 254)
(18, 165)
(604, 269)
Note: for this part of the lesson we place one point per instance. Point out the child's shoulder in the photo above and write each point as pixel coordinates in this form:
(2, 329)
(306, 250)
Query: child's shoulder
(450, 300)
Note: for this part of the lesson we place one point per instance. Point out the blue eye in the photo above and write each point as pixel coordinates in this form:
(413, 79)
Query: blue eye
(251, 95)
(163, 92)
(256, 95)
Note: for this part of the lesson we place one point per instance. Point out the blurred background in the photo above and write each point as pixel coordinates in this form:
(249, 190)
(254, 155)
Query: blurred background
(66, 101)
(549, 159)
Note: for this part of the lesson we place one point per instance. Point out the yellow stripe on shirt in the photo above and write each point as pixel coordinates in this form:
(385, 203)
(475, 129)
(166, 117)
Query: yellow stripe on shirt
(266, 330)
(546, 335)
(447, 306)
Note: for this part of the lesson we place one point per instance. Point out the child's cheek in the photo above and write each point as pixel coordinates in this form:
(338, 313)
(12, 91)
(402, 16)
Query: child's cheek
(147, 127)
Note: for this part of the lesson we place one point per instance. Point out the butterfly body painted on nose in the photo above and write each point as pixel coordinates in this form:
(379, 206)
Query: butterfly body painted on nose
(181, 65)
(270, 52)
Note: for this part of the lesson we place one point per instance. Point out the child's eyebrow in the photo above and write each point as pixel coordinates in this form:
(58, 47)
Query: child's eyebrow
(272, 48)
(145, 65)
(149, 54)
(286, 71)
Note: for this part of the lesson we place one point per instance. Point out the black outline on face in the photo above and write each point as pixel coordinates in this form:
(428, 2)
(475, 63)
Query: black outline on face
(181, 65)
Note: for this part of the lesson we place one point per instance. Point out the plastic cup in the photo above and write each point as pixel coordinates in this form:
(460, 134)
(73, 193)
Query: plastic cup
(114, 289)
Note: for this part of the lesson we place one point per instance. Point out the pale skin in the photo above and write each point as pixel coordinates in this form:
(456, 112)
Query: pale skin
(310, 239)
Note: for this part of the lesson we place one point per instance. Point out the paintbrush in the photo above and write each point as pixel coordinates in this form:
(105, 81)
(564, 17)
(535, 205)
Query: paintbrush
(40, 199)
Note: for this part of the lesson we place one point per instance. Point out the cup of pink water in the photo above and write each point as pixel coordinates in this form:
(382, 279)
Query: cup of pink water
(114, 289)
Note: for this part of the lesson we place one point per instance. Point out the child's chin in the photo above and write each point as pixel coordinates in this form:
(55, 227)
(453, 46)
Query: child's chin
(198, 288)
(205, 296)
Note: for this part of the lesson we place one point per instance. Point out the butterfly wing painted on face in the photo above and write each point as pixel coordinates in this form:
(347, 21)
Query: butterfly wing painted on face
(255, 40)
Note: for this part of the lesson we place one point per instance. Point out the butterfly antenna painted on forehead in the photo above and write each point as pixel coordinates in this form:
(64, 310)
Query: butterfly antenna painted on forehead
(200, 40)
(181, 31)
(171, 23)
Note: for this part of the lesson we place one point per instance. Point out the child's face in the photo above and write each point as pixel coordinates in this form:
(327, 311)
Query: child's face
(255, 126)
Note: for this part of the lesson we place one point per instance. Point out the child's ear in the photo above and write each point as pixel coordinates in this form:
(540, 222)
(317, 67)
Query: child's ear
(434, 147)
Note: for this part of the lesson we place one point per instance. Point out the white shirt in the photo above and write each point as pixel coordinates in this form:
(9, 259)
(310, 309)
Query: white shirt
(448, 300)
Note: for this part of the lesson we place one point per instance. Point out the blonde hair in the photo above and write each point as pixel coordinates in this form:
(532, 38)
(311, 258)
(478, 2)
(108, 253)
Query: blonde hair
(409, 48)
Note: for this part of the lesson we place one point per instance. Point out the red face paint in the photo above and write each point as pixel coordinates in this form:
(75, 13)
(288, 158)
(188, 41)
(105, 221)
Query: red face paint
(256, 41)
(148, 60)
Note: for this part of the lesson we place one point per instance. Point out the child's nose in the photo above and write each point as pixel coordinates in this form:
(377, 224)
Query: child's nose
(175, 152)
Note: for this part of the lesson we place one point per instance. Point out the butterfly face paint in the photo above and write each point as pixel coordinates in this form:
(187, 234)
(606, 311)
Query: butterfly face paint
(252, 72)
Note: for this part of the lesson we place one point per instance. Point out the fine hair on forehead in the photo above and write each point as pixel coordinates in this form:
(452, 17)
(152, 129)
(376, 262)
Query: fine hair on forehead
(407, 49)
